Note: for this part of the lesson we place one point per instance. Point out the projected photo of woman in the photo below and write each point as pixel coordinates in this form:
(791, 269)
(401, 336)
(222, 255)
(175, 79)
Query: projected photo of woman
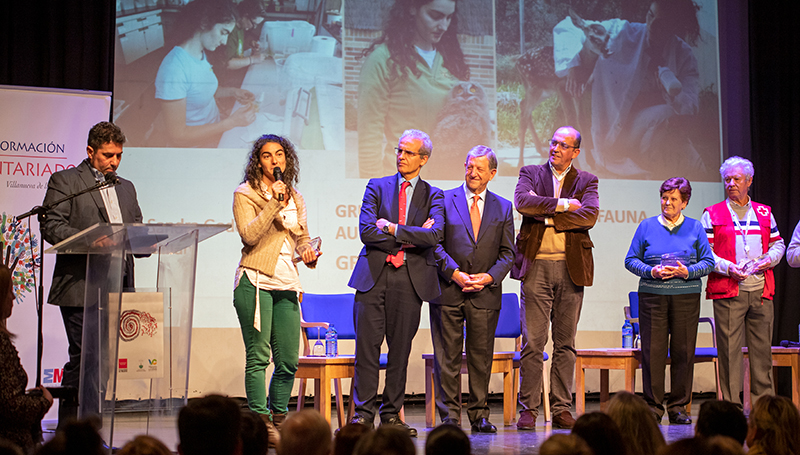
(186, 84)
(415, 75)
(670, 254)
(233, 57)
(642, 78)
(270, 217)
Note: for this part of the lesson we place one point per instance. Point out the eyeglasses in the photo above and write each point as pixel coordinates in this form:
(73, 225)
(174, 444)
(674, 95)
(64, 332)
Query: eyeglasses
(407, 153)
(554, 143)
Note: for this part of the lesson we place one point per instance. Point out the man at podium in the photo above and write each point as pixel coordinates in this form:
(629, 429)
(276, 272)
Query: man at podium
(112, 204)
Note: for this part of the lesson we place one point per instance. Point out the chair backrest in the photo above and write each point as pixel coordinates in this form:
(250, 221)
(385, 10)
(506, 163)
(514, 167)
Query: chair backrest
(336, 309)
(508, 322)
(633, 301)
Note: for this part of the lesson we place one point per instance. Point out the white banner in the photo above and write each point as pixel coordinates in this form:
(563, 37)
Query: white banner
(42, 131)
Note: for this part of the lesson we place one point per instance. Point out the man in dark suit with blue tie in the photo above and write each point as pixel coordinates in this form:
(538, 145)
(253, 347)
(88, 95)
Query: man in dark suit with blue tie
(114, 204)
(475, 255)
(400, 224)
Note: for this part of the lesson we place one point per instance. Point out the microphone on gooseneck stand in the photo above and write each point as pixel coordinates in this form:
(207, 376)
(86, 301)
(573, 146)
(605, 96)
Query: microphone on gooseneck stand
(278, 174)
(111, 178)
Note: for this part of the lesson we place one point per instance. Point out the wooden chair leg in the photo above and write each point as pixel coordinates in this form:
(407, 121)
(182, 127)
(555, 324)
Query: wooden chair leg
(746, 394)
(515, 393)
(580, 387)
(509, 401)
(337, 386)
(604, 393)
(301, 395)
(430, 396)
(546, 393)
(351, 405)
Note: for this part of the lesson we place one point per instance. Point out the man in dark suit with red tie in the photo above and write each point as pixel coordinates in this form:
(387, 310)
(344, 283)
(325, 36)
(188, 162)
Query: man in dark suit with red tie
(400, 224)
(475, 255)
(559, 204)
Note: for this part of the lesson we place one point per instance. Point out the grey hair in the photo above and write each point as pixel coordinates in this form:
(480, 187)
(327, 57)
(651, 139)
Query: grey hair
(482, 150)
(737, 161)
(427, 145)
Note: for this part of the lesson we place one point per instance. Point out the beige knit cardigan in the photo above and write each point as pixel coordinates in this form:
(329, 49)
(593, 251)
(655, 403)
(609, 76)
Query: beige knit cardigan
(261, 228)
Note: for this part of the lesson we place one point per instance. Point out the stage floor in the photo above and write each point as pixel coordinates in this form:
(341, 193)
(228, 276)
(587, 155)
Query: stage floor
(508, 440)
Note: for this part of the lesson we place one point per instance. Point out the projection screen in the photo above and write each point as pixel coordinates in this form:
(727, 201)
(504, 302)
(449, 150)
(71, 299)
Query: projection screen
(315, 77)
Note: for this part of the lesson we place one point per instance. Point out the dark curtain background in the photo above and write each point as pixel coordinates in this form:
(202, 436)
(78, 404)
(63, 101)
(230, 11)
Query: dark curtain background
(775, 114)
(57, 43)
(70, 44)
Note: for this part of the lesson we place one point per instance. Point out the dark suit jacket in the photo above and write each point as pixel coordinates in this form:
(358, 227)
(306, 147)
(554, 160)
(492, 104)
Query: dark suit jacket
(381, 201)
(492, 253)
(578, 185)
(71, 217)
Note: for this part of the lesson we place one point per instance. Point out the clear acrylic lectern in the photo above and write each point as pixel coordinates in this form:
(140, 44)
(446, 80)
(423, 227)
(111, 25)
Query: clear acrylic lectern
(136, 342)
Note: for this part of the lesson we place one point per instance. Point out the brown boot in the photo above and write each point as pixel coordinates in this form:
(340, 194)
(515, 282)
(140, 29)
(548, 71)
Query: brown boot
(272, 432)
(277, 420)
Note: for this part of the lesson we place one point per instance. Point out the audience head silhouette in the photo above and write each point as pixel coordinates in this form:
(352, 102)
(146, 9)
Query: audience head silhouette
(254, 434)
(307, 433)
(774, 427)
(635, 421)
(210, 426)
(721, 418)
(386, 440)
(347, 438)
(565, 444)
(600, 433)
(447, 440)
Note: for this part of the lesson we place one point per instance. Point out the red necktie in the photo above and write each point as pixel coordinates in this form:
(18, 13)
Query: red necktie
(475, 216)
(397, 259)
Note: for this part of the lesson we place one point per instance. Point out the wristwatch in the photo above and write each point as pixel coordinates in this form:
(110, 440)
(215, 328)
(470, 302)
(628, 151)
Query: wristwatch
(385, 228)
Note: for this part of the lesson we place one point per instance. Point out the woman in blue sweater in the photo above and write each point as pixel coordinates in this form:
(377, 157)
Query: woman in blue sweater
(670, 253)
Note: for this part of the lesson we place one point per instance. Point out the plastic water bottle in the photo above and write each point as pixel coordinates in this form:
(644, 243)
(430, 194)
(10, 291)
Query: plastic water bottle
(331, 342)
(627, 334)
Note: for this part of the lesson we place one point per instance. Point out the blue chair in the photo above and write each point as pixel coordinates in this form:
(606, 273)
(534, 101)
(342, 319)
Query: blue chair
(335, 309)
(508, 326)
(701, 354)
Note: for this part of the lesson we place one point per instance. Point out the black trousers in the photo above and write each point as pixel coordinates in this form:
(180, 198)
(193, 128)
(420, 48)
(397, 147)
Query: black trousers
(73, 325)
(668, 321)
(447, 322)
(390, 309)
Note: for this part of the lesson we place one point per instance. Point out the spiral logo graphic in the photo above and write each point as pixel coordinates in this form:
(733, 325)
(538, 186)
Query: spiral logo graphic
(133, 323)
(130, 325)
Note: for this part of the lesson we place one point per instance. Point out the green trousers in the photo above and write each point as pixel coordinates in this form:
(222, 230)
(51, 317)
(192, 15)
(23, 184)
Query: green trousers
(280, 333)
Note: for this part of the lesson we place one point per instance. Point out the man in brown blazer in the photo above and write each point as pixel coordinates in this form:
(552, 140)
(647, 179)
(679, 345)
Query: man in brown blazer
(559, 205)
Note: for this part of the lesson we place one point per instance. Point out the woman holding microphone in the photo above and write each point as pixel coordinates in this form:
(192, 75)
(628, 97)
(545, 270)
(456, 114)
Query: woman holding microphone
(270, 217)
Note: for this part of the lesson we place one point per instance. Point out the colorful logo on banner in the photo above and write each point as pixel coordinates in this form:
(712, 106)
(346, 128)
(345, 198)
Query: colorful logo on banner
(19, 252)
(52, 375)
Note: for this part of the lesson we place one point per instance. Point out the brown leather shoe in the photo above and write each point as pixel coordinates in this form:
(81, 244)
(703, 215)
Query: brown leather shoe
(527, 420)
(277, 420)
(564, 420)
(272, 433)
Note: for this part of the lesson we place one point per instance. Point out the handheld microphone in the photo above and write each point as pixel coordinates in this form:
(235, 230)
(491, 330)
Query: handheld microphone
(111, 178)
(278, 174)
(790, 344)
